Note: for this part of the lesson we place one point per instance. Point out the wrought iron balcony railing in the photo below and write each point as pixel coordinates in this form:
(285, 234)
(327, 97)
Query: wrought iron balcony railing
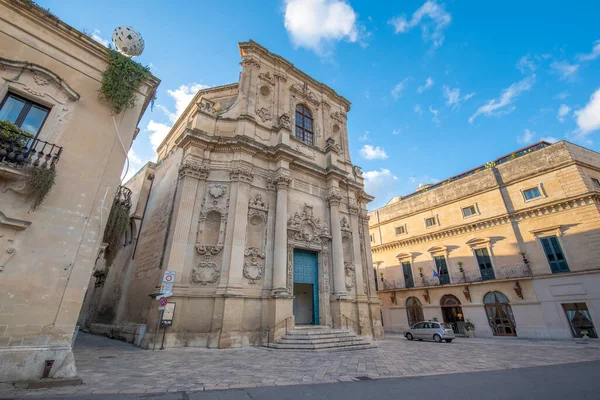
(20, 150)
(505, 272)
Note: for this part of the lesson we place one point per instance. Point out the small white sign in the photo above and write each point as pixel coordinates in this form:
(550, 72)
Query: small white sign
(169, 277)
(166, 288)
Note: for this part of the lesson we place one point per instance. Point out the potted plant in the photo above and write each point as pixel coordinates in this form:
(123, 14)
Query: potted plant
(421, 271)
(460, 266)
(469, 329)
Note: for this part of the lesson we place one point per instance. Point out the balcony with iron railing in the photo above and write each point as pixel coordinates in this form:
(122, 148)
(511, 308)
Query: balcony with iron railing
(517, 271)
(20, 150)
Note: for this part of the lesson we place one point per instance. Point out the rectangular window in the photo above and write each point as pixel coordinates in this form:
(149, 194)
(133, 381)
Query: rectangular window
(442, 270)
(554, 254)
(430, 222)
(580, 320)
(468, 211)
(596, 182)
(485, 264)
(400, 230)
(408, 276)
(376, 282)
(532, 193)
(25, 114)
(372, 238)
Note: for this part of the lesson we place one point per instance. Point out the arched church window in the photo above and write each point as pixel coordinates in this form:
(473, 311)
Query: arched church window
(304, 124)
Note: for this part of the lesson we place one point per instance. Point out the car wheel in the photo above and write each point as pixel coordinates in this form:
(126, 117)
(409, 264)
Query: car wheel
(409, 336)
(437, 338)
(448, 340)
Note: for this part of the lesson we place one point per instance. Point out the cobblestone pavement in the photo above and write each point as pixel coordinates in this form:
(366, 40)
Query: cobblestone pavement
(107, 366)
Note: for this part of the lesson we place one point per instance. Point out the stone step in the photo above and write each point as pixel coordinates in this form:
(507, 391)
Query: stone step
(316, 336)
(326, 346)
(309, 327)
(320, 332)
(350, 339)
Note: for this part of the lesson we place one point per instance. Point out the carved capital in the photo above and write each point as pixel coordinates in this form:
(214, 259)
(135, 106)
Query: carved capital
(339, 117)
(241, 174)
(280, 77)
(250, 62)
(281, 181)
(334, 198)
(353, 209)
(194, 170)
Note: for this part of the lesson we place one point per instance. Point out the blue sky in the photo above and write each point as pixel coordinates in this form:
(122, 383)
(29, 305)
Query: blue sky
(437, 88)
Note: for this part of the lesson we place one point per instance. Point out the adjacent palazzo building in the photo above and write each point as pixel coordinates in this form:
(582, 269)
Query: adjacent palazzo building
(50, 75)
(511, 246)
(256, 206)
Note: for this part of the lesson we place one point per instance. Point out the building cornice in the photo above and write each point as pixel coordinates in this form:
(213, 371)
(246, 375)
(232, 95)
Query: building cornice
(531, 212)
(472, 194)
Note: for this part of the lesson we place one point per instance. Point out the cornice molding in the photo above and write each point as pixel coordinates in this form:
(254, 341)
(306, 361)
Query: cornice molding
(533, 212)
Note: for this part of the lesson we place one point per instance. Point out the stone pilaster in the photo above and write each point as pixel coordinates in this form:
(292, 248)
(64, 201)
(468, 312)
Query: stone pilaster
(244, 178)
(339, 274)
(190, 175)
(358, 265)
(280, 249)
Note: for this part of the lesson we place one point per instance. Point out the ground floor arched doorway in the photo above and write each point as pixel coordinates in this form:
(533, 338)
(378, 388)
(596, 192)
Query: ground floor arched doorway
(500, 315)
(414, 311)
(452, 313)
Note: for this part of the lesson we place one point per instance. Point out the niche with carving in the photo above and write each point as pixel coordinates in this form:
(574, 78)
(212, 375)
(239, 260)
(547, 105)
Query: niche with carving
(254, 254)
(211, 234)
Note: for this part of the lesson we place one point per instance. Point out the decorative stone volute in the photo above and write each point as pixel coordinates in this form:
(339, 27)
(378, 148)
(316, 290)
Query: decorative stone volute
(285, 121)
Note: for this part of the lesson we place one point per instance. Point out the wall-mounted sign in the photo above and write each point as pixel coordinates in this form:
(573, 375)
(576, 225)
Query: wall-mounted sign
(168, 315)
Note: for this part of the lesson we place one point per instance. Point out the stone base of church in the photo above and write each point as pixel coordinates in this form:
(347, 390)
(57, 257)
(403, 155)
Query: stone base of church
(28, 362)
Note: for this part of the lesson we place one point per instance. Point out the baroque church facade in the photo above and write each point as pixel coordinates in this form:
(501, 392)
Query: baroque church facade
(255, 205)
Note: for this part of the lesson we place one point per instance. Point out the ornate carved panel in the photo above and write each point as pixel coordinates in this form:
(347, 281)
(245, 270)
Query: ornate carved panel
(206, 272)
(345, 225)
(253, 268)
(264, 114)
(304, 92)
(349, 275)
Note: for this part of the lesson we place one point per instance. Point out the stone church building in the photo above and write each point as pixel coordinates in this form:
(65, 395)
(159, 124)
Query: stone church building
(255, 205)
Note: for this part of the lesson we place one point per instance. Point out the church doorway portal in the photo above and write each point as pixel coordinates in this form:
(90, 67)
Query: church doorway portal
(306, 288)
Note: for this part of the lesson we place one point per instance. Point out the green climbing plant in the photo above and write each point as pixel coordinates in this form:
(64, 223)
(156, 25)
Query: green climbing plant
(38, 183)
(115, 228)
(120, 80)
(9, 132)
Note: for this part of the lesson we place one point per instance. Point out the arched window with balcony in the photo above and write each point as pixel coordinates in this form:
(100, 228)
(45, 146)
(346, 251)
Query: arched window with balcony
(304, 124)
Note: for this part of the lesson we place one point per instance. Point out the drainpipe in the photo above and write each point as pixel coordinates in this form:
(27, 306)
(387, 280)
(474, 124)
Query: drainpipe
(151, 179)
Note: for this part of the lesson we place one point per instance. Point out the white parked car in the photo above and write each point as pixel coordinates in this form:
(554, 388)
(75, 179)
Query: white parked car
(430, 330)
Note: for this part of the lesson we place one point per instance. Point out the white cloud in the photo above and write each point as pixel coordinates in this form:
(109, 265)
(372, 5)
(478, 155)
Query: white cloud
(453, 98)
(496, 107)
(428, 84)
(135, 163)
(369, 152)
(527, 137)
(435, 113)
(423, 180)
(396, 132)
(525, 64)
(418, 109)
(96, 36)
(549, 139)
(588, 118)
(158, 131)
(381, 184)
(397, 90)
(432, 18)
(563, 111)
(566, 70)
(593, 55)
(182, 96)
(562, 95)
(317, 24)
(364, 137)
